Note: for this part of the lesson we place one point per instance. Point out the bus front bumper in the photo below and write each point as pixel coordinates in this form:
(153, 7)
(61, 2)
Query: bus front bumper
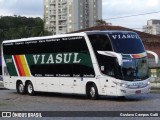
(122, 91)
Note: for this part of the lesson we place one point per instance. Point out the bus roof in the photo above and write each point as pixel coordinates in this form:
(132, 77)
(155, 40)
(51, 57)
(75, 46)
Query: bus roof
(68, 35)
(45, 37)
(108, 31)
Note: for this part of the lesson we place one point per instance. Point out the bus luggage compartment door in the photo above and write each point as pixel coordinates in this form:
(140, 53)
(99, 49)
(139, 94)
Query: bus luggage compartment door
(77, 85)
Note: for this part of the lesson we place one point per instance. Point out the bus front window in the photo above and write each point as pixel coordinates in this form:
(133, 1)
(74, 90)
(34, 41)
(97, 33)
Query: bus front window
(128, 69)
(124, 44)
(134, 69)
(143, 68)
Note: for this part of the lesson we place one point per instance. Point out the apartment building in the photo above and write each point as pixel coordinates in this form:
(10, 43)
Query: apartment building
(62, 16)
(152, 27)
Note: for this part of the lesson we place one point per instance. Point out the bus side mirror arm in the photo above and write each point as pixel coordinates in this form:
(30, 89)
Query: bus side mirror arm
(155, 55)
(112, 54)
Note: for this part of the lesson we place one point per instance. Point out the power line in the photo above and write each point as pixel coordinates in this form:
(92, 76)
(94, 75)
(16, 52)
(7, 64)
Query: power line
(134, 15)
(120, 17)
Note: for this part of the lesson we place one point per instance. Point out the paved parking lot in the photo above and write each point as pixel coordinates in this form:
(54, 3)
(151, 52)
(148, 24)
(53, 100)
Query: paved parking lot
(11, 101)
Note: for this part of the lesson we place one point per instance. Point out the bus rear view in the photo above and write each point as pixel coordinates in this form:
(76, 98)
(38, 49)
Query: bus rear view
(122, 58)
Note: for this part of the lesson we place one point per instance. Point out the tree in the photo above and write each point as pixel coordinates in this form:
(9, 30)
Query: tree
(102, 22)
(16, 27)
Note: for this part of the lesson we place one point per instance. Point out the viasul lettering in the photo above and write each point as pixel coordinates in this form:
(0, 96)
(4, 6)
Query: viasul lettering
(65, 58)
(125, 36)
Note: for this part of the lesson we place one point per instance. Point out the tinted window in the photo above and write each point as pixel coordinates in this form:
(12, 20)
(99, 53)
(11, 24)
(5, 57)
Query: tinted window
(127, 43)
(67, 70)
(67, 44)
(102, 43)
(75, 49)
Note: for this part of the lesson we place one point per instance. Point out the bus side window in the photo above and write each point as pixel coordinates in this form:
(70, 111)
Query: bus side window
(100, 42)
(106, 63)
(82, 69)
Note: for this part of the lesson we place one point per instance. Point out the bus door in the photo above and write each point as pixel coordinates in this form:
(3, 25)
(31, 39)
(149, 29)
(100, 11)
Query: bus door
(109, 71)
(111, 86)
(107, 86)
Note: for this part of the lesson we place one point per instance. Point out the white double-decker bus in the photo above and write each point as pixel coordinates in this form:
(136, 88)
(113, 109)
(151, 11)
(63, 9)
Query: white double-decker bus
(92, 63)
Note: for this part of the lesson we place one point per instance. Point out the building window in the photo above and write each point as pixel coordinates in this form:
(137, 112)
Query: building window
(70, 27)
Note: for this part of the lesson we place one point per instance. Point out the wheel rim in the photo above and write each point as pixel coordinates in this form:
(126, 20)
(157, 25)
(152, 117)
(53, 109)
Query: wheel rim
(30, 88)
(21, 88)
(92, 92)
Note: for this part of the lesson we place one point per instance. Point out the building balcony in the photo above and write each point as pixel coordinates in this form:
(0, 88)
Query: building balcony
(52, 19)
(62, 24)
(52, 9)
(62, 31)
(62, 7)
(53, 13)
(62, 18)
(52, 24)
(52, 2)
(63, 2)
(62, 12)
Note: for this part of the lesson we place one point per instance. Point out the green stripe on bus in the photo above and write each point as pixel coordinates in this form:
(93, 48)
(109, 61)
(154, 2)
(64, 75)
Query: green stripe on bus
(59, 58)
(10, 65)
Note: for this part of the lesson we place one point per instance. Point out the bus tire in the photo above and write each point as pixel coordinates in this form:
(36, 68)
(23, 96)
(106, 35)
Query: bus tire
(30, 89)
(20, 88)
(121, 97)
(92, 92)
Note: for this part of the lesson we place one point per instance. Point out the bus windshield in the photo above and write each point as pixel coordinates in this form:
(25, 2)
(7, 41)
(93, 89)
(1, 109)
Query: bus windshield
(126, 43)
(134, 69)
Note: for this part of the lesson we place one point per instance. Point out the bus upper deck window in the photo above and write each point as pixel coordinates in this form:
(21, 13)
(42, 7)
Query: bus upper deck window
(100, 43)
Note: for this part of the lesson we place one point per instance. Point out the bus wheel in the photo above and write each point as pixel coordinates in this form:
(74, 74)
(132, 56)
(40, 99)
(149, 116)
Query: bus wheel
(93, 92)
(30, 89)
(121, 97)
(20, 88)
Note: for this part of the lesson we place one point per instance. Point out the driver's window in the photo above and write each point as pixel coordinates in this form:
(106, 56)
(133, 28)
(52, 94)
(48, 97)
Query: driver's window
(106, 63)
(100, 42)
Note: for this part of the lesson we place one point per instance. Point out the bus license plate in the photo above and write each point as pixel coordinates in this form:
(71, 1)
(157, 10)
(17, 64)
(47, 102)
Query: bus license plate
(138, 91)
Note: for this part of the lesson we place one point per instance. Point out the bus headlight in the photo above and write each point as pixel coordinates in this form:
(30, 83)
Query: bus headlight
(121, 84)
(124, 85)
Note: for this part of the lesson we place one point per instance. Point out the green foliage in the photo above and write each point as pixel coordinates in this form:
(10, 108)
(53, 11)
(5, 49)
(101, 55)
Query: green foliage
(16, 27)
(102, 22)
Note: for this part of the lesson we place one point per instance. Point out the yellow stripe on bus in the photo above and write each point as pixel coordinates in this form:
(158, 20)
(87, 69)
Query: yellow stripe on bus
(25, 66)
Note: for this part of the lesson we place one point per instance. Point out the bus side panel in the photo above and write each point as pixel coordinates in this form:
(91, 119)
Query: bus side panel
(39, 83)
(53, 84)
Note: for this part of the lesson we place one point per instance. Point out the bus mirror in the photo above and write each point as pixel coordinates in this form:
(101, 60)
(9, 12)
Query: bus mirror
(112, 54)
(155, 55)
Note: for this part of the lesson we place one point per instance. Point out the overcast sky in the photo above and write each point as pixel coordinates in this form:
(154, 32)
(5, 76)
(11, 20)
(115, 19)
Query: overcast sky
(111, 9)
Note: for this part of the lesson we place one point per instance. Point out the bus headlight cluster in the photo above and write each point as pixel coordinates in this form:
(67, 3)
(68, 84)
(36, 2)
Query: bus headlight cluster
(124, 85)
(121, 84)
